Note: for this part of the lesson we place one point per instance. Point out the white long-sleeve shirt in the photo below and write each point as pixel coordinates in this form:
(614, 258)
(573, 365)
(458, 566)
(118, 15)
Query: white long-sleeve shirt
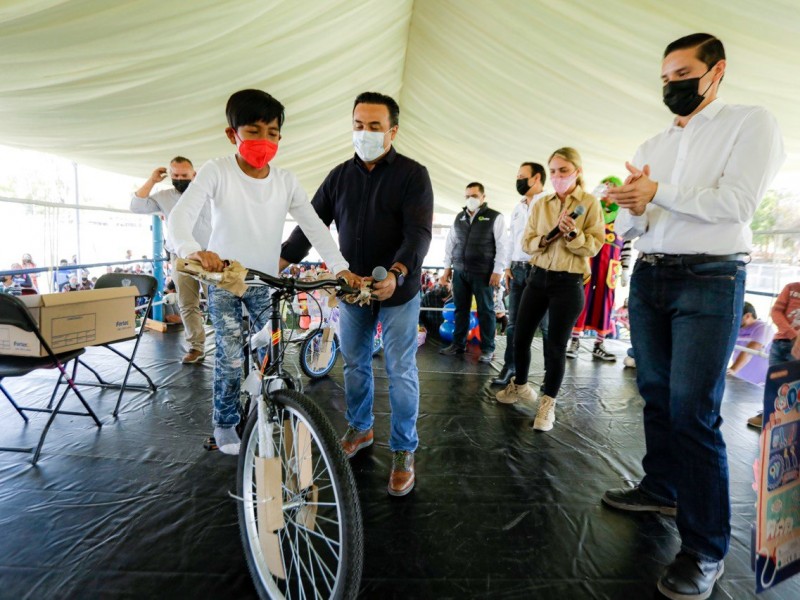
(516, 227)
(247, 216)
(501, 244)
(711, 175)
(163, 202)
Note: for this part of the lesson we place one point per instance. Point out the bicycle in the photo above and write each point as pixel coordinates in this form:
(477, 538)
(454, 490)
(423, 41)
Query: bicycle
(299, 513)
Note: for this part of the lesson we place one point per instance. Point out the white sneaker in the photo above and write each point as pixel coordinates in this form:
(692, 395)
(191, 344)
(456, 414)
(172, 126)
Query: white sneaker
(573, 348)
(546, 414)
(514, 393)
(629, 362)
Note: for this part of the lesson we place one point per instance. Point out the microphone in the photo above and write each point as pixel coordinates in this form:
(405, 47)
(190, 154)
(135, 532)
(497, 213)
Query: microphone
(379, 274)
(579, 210)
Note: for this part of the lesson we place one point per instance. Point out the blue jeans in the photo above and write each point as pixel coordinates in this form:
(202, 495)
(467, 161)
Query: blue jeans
(781, 352)
(519, 274)
(399, 328)
(225, 310)
(464, 286)
(684, 323)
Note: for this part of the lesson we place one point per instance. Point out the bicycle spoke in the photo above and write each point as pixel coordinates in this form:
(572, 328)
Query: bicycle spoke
(305, 532)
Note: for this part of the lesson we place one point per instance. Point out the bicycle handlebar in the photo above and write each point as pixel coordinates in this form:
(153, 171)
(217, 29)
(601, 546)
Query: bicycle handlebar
(289, 283)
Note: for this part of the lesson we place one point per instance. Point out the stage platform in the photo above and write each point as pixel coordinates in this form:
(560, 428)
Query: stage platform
(139, 509)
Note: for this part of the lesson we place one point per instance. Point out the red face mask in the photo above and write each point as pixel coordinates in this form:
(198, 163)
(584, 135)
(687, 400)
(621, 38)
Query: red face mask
(257, 153)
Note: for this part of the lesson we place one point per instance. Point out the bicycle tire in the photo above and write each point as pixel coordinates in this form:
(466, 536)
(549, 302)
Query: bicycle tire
(341, 487)
(307, 350)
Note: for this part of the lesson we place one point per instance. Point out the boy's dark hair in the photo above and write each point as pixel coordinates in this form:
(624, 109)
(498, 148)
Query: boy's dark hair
(749, 309)
(536, 168)
(181, 159)
(247, 107)
(476, 185)
(378, 98)
(708, 48)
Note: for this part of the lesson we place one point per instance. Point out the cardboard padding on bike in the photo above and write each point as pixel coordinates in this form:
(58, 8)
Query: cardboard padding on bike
(325, 349)
(307, 515)
(232, 276)
(297, 444)
(269, 508)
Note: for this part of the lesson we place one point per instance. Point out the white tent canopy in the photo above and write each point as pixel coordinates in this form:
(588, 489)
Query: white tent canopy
(482, 84)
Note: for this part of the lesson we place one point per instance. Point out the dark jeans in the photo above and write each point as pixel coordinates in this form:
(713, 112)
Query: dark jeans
(560, 294)
(684, 323)
(519, 274)
(465, 285)
(781, 352)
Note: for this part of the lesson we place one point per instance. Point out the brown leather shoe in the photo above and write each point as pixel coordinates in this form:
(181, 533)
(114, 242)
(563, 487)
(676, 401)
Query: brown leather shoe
(193, 356)
(401, 480)
(354, 440)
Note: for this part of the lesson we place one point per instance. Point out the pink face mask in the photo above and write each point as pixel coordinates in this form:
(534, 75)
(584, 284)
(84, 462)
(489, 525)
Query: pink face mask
(562, 184)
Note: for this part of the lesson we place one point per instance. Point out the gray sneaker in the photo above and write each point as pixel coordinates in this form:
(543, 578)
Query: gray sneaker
(636, 500)
(573, 348)
(486, 357)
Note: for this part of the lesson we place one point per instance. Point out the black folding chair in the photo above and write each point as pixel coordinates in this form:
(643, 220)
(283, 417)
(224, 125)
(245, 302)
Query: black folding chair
(146, 287)
(14, 312)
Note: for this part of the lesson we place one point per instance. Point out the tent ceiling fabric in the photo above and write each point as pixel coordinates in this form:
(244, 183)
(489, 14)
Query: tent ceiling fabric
(483, 85)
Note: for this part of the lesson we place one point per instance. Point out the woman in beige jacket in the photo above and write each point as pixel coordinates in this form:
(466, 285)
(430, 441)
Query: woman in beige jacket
(555, 284)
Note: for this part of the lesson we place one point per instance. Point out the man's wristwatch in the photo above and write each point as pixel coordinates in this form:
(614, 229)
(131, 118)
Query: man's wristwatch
(398, 275)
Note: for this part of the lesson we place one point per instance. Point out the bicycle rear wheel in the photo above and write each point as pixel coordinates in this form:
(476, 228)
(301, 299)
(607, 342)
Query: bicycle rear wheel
(312, 359)
(299, 514)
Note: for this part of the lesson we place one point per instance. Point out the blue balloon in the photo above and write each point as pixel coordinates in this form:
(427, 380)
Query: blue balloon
(473, 320)
(446, 331)
(449, 312)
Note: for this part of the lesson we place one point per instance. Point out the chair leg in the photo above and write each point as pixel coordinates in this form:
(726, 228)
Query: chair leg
(70, 386)
(95, 373)
(55, 390)
(14, 404)
(131, 364)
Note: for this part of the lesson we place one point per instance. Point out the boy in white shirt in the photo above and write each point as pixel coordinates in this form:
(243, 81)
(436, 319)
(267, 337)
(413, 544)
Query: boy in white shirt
(249, 203)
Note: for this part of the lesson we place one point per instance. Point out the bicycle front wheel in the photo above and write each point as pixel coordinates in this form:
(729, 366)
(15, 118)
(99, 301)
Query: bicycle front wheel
(299, 514)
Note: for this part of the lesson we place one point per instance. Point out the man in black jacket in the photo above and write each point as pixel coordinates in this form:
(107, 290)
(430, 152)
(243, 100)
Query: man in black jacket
(382, 203)
(476, 248)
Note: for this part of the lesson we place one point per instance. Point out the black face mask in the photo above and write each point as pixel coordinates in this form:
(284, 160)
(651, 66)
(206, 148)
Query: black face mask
(522, 186)
(681, 96)
(180, 184)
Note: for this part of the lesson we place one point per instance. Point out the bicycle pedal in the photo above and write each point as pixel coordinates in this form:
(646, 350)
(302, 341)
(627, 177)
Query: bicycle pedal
(210, 444)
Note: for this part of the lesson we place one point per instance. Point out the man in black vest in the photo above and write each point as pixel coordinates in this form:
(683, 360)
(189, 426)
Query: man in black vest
(476, 249)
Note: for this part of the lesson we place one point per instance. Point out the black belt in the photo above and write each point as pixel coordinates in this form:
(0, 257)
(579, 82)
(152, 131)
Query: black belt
(677, 260)
(519, 263)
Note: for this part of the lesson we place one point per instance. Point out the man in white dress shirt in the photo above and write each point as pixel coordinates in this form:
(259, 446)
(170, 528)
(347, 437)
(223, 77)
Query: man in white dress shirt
(530, 182)
(690, 197)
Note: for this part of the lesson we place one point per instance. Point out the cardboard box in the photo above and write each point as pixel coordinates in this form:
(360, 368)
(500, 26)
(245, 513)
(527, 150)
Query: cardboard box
(73, 320)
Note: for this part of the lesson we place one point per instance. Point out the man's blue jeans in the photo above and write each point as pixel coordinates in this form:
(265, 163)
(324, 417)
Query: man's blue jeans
(684, 323)
(399, 327)
(781, 352)
(225, 310)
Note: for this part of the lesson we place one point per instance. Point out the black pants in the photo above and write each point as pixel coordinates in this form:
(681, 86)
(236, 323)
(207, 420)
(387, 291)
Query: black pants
(519, 278)
(561, 295)
(466, 285)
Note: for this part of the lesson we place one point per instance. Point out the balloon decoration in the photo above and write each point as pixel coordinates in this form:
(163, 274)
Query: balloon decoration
(449, 312)
(446, 331)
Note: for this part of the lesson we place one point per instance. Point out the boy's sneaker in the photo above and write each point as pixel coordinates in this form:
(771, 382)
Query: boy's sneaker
(546, 414)
(573, 348)
(601, 353)
(192, 357)
(486, 357)
(636, 500)
(689, 578)
(629, 362)
(514, 393)
(354, 440)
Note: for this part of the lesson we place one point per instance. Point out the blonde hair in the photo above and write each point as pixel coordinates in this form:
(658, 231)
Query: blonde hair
(571, 156)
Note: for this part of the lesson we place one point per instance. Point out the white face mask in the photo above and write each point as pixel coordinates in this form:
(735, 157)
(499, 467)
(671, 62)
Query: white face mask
(369, 144)
(473, 204)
